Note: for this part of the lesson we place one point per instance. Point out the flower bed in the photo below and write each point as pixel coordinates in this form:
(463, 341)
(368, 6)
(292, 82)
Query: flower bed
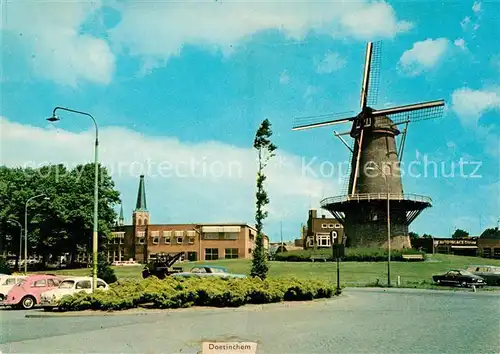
(173, 293)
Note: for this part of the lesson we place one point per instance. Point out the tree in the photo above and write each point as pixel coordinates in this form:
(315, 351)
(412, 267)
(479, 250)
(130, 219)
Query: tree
(459, 233)
(491, 234)
(413, 235)
(104, 271)
(266, 150)
(64, 223)
(426, 236)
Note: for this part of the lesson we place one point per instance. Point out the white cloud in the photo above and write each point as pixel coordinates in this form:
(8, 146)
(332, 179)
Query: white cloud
(330, 63)
(470, 104)
(460, 42)
(476, 7)
(465, 22)
(284, 77)
(48, 33)
(185, 182)
(159, 30)
(423, 55)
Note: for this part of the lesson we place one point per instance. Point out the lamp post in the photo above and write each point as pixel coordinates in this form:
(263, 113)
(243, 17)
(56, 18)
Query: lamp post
(26, 228)
(55, 118)
(388, 225)
(20, 242)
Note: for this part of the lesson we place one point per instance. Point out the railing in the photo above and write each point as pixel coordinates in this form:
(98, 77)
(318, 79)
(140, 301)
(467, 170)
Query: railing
(375, 196)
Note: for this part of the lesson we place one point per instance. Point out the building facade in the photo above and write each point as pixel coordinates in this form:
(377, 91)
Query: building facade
(317, 233)
(143, 241)
(488, 248)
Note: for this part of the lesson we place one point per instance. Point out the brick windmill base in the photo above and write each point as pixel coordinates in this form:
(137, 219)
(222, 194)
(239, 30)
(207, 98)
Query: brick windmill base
(364, 217)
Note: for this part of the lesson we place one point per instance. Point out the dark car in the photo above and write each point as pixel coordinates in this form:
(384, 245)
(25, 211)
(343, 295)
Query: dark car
(490, 274)
(209, 271)
(456, 277)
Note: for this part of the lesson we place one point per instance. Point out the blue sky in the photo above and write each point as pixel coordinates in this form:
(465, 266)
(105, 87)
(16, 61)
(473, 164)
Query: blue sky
(173, 84)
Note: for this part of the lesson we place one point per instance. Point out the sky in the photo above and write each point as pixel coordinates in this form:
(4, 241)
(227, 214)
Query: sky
(178, 90)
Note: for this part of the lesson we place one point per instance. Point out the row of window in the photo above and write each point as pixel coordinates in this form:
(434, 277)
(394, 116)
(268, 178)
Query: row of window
(212, 254)
(167, 241)
(331, 226)
(168, 233)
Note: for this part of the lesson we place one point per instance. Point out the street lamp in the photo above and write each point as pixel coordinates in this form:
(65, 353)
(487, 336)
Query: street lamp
(26, 228)
(20, 241)
(388, 224)
(55, 118)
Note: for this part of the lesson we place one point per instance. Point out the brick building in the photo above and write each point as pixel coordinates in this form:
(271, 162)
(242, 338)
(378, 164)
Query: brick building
(317, 232)
(143, 241)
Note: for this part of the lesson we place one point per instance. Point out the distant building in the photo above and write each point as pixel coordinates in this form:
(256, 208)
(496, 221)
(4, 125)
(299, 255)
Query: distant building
(143, 241)
(489, 246)
(462, 247)
(317, 232)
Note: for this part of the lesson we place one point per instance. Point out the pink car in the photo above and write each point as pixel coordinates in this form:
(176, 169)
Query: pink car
(27, 293)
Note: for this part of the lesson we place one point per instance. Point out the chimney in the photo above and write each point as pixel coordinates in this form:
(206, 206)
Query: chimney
(313, 214)
(323, 216)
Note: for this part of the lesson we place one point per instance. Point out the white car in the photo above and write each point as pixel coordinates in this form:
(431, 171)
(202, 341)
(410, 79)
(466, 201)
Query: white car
(7, 282)
(69, 286)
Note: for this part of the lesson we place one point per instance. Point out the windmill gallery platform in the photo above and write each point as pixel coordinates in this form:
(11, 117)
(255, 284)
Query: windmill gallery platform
(374, 205)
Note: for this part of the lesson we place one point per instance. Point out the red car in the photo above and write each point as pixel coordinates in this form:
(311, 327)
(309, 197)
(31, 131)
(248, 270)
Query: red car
(27, 293)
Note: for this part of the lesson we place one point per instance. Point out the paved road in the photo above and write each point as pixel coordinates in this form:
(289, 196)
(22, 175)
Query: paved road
(362, 321)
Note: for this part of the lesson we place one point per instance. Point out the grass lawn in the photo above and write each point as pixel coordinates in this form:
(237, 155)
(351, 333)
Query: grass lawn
(413, 274)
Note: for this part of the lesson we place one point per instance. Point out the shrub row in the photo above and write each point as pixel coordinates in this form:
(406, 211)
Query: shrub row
(351, 255)
(177, 293)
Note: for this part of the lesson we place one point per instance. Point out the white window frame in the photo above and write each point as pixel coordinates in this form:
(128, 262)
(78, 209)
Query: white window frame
(338, 226)
(324, 226)
(177, 240)
(156, 240)
(168, 240)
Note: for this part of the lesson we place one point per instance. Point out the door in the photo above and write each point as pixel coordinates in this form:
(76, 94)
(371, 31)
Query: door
(192, 256)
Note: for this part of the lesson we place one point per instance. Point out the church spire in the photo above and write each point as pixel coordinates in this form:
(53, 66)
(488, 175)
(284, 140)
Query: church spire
(141, 196)
(121, 219)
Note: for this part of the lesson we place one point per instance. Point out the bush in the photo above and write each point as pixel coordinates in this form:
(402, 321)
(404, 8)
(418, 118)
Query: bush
(351, 255)
(178, 293)
(4, 266)
(104, 271)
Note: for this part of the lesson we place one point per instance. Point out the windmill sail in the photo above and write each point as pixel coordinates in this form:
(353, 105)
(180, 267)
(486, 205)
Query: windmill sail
(301, 123)
(374, 81)
(413, 112)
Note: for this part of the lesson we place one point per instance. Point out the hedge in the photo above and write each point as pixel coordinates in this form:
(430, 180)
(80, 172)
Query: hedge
(180, 293)
(351, 255)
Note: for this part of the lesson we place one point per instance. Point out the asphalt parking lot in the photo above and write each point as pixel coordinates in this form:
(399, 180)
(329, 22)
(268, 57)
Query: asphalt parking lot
(361, 321)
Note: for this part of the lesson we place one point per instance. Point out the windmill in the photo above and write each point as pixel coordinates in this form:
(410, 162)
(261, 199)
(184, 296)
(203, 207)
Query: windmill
(374, 204)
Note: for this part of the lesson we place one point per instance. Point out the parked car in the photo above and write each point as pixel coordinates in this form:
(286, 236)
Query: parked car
(7, 282)
(69, 286)
(26, 294)
(456, 277)
(209, 271)
(490, 274)
(130, 262)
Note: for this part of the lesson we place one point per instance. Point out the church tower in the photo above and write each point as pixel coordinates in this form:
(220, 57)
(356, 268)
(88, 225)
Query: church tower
(121, 219)
(140, 216)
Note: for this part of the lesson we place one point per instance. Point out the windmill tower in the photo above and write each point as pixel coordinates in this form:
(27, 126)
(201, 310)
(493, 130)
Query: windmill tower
(374, 204)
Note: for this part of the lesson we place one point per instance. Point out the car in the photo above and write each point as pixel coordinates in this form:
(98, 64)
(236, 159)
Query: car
(26, 294)
(69, 286)
(7, 282)
(490, 274)
(457, 277)
(208, 271)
